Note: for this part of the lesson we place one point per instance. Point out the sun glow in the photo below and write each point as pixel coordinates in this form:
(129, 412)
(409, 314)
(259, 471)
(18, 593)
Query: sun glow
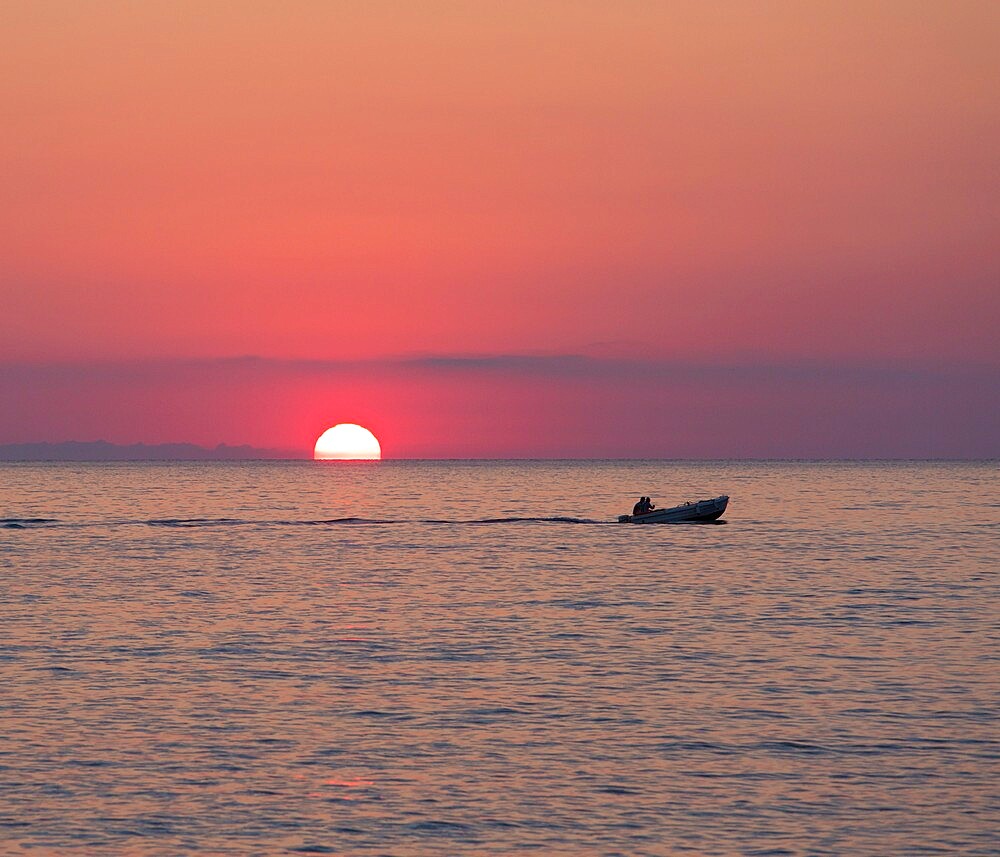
(347, 441)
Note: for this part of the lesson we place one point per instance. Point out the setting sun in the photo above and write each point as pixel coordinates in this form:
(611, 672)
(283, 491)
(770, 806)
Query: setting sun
(347, 441)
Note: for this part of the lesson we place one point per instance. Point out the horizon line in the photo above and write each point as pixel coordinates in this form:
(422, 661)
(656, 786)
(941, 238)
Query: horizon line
(526, 459)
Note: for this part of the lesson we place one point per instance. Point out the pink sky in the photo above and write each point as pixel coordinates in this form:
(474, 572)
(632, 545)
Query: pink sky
(745, 185)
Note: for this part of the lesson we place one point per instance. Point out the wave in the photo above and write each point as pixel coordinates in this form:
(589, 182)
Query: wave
(26, 523)
(355, 521)
(193, 523)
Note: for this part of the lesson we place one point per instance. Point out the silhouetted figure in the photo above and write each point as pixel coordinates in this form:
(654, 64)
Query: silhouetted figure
(643, 506)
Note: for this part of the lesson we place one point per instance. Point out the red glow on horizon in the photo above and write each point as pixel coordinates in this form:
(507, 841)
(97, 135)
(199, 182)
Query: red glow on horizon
(687, 183)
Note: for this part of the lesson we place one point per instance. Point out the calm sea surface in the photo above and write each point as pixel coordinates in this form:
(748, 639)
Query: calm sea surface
(408, 658)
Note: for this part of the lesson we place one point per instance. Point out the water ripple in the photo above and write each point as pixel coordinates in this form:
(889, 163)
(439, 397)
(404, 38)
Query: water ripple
(455, 658)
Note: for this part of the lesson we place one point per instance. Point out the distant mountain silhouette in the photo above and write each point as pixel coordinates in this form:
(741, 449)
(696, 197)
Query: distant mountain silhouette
(101, 450)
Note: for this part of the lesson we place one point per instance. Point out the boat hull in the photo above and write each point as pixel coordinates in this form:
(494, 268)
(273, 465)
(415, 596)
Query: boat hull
(702, 512)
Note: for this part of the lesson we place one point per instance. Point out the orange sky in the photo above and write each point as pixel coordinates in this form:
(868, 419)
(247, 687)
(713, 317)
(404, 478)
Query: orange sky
(778, 181)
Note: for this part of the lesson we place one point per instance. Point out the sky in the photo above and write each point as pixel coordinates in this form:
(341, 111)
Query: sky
(685, 229)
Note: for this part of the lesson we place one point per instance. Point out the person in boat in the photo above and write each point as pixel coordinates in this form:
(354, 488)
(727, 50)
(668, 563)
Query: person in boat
(643, 506)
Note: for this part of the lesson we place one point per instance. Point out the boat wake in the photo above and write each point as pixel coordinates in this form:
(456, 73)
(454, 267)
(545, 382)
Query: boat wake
(354, 521)
(192, 523)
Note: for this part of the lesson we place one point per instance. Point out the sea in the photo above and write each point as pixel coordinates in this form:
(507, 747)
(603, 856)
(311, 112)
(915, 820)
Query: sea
(475, 658)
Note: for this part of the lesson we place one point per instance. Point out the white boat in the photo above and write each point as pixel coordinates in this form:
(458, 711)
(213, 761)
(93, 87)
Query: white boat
(688, 513)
